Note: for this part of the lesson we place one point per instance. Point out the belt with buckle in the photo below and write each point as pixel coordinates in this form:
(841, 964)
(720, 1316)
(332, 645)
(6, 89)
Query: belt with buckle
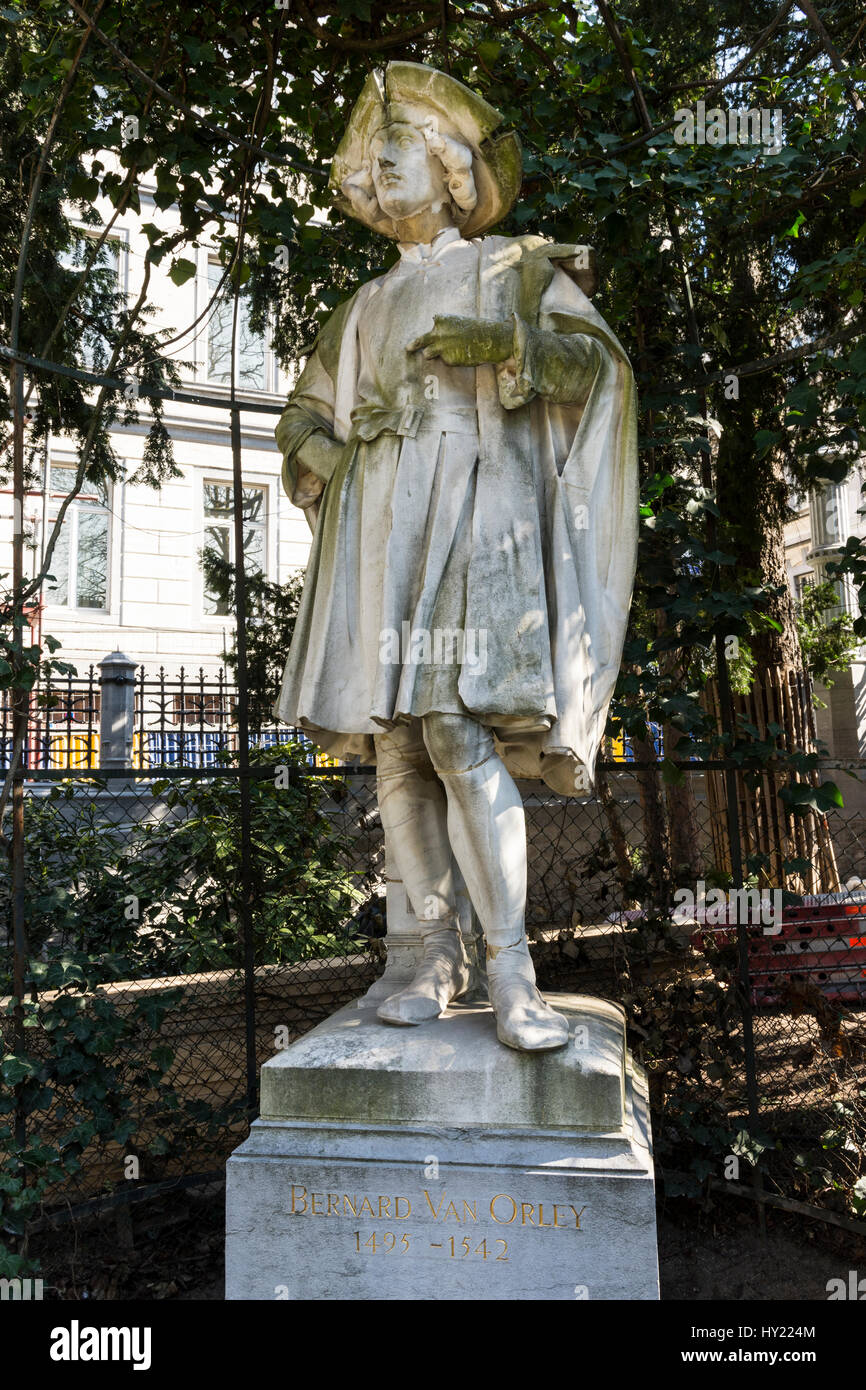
(369, 421)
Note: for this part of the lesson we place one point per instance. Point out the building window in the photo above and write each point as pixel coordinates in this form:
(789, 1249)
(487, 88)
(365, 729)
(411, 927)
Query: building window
(802, 582)
(842, 604)
(252, 356)
(79, 564)
(829, 517)
(219, 534)
(95, 347)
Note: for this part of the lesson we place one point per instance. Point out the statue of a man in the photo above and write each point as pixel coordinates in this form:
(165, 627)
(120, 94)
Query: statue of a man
(463, 436)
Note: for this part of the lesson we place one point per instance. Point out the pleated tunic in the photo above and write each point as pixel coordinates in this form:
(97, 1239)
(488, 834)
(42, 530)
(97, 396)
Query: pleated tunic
(385, 590)
(474, 547)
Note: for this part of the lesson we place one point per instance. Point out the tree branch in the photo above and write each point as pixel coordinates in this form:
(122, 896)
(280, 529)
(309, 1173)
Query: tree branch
(830, 48)
(310, 23)
(766, 364)
(273, 157)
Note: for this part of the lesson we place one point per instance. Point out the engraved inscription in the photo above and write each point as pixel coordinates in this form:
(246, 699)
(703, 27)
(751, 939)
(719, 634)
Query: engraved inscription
(503, 1208)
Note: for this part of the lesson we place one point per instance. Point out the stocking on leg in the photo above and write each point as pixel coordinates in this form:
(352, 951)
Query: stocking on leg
(413, 810)
(487, 831)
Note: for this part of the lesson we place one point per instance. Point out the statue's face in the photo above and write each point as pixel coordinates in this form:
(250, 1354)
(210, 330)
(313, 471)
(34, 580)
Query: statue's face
(407, 178)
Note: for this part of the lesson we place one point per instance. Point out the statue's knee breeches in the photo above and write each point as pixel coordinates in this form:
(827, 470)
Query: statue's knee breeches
(413, 810)
(400, 750)
(455, 742)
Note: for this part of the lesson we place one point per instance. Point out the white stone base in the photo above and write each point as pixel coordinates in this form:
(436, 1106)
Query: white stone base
(433, 1163)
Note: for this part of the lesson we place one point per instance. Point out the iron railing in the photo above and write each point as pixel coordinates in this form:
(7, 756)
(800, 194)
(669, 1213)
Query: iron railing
(186, 720)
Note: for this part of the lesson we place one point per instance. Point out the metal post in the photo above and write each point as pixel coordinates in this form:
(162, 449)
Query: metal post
(246, 899)
(116, 711)
(733, 817)
(20, 716)
(743, 974)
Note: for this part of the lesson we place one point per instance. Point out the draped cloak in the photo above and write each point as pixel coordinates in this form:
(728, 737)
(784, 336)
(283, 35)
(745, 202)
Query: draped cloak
(530, 539)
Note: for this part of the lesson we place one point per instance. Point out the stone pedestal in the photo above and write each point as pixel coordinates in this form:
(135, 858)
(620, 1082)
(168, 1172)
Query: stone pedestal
(433, 1163)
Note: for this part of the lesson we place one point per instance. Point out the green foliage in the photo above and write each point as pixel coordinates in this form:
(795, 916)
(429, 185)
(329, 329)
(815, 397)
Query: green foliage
(72, 310)
(82, 1059)
(852, 562)
(167, 899)
(772, 241)
(25, 665)
(271, 611)
(188, 873)
(828, 645)
(683, 1022)
(829, 1165)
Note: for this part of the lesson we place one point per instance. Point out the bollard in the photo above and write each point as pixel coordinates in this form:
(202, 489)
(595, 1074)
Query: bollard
(117, 711)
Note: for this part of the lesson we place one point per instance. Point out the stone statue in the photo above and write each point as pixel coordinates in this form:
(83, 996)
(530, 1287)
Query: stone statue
(463, 437)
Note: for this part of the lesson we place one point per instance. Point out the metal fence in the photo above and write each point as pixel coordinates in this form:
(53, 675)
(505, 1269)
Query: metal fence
(157, 720)
(193, 1013)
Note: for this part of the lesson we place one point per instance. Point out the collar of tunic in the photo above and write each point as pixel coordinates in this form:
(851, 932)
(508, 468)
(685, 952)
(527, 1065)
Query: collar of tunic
(419, 251)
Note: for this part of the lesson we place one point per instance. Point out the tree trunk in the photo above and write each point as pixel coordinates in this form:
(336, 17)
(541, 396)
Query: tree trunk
(751, 490)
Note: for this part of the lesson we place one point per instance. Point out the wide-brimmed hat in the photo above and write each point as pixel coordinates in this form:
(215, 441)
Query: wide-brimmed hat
(407, 91)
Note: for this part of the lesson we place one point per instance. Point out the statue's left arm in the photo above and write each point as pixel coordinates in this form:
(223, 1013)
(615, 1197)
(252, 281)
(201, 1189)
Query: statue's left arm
(557, 354)
(558, 367)
(570, 371)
